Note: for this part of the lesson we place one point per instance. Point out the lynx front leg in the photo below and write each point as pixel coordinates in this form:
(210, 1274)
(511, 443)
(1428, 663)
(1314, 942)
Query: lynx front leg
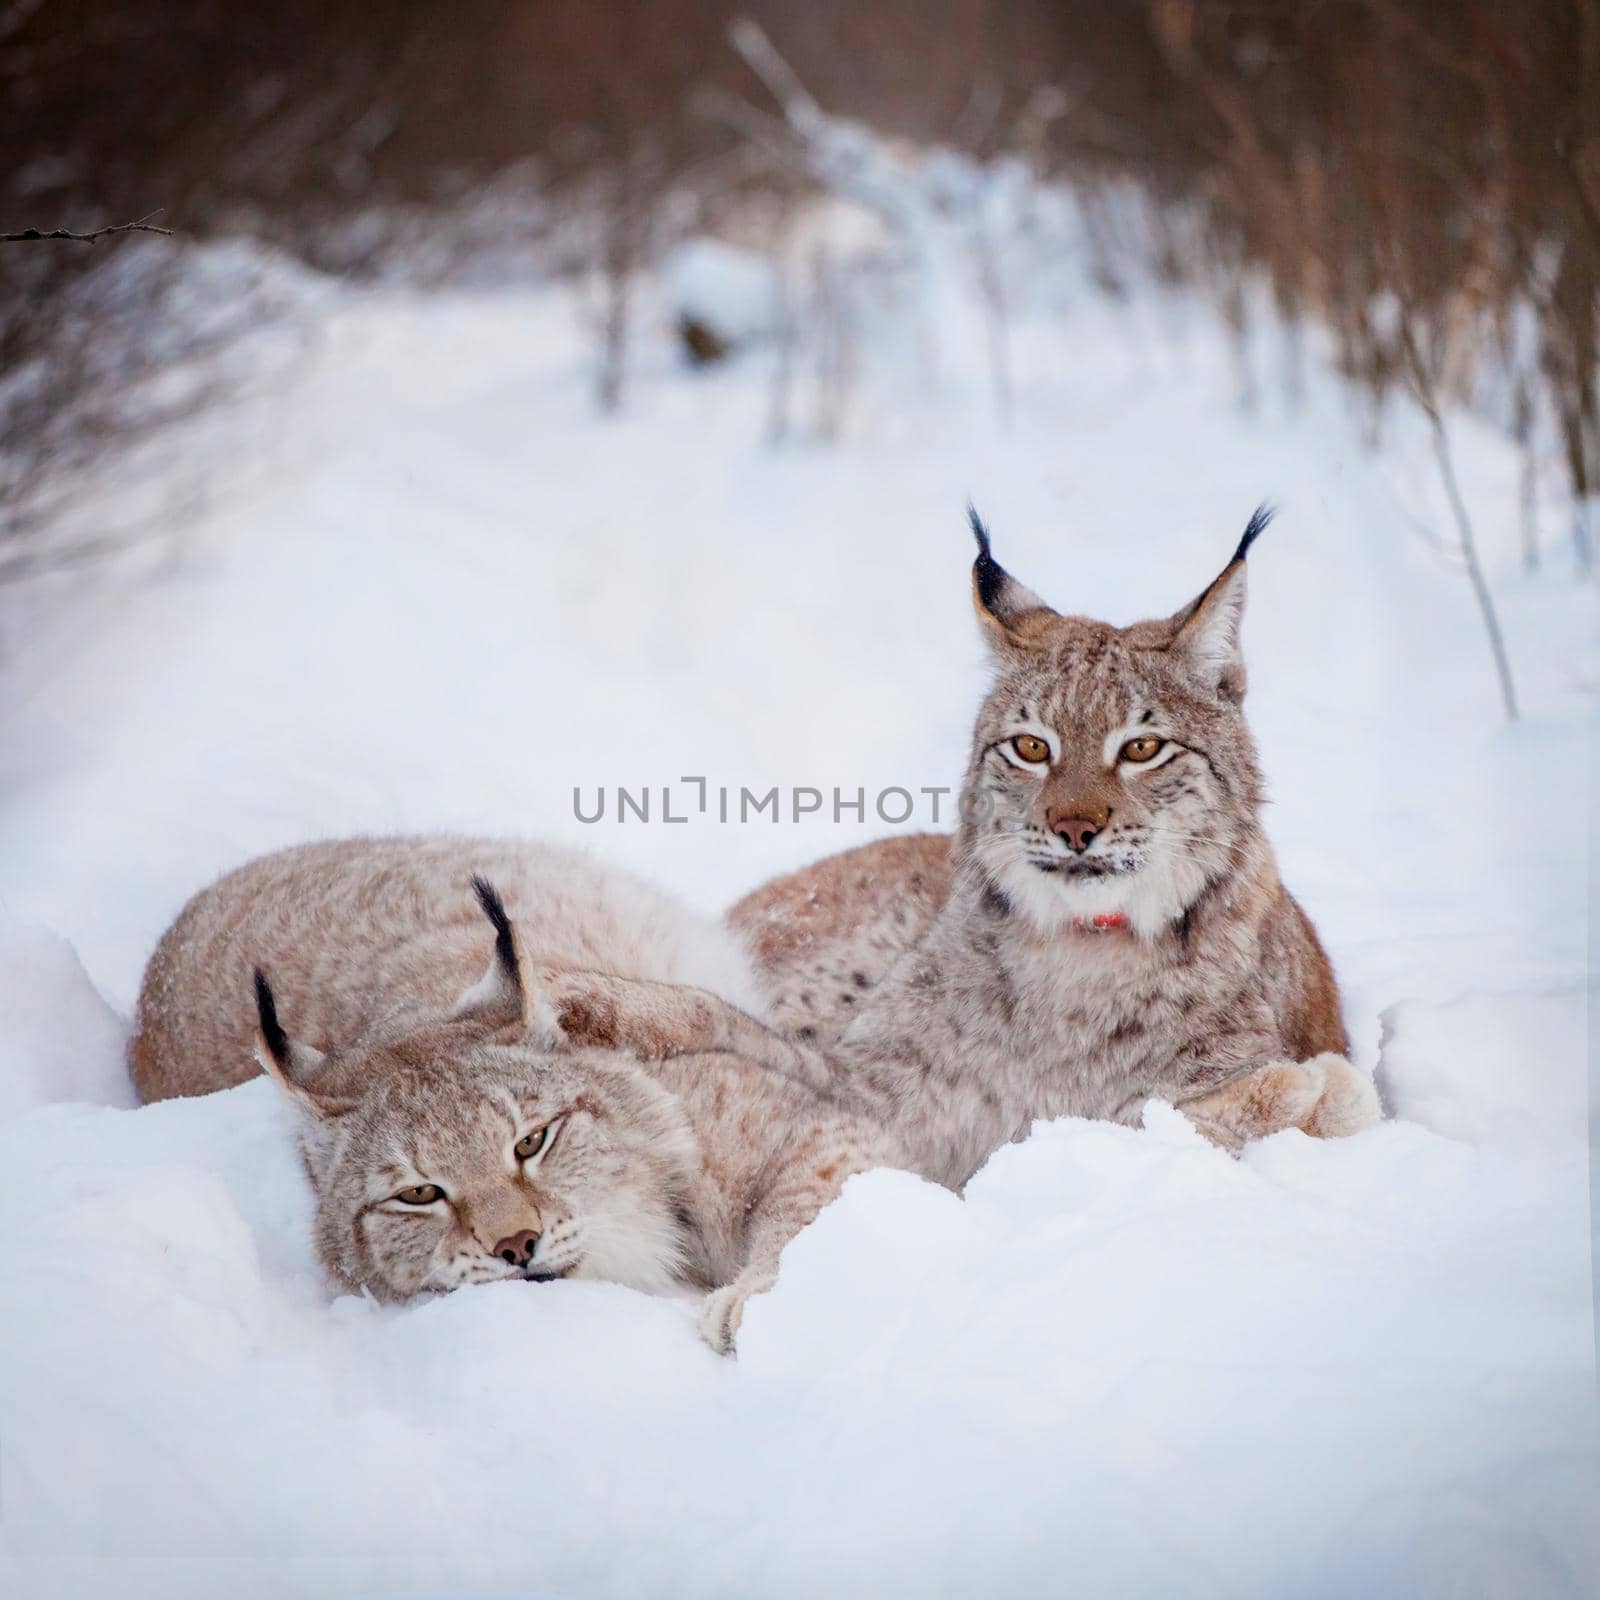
(794, 1200)
(823, 1157)
(1325, 1097)
(723, 1309)
(661, 1020)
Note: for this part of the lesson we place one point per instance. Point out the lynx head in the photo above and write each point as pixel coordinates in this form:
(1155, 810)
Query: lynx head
(1112, 776)
(478, 1145)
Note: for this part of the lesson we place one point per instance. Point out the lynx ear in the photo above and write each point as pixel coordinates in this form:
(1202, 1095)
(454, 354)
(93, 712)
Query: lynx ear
(509, 991)
(294, 1068)
(1010, 613)
(1207, 631)
(291, 1065)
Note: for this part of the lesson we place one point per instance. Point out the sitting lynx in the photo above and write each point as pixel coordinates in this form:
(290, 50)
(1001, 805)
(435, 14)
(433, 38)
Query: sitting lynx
(454, 1132)
(1108, 924)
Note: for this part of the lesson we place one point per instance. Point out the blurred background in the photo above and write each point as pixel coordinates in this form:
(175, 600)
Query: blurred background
(1419, 181)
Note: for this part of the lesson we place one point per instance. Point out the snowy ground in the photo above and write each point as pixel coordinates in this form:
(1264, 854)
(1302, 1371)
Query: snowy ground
(432, 590)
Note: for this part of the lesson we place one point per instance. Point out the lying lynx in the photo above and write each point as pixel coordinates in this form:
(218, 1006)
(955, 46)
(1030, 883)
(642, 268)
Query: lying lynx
(1107, 925)
(452, 1129)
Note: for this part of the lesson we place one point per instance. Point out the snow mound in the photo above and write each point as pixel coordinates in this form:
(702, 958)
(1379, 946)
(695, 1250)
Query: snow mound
(59, 1040)
(1505, 1069)
(1031, 1371)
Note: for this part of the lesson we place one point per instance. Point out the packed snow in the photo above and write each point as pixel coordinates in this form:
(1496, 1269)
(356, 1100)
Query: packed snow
(432, 589)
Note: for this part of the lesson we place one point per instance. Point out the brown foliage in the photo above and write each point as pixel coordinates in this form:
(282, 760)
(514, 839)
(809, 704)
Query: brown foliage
(1442, 159)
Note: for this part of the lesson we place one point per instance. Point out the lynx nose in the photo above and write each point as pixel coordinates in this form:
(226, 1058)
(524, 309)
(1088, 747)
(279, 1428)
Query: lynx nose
(517, 1248)
(1079, 826)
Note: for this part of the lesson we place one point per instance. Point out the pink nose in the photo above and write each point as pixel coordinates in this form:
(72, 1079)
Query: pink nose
(517, 1248)
(1078, 825)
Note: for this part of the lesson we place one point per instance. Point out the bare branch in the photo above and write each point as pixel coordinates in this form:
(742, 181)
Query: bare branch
(1425, 393)
(143, 225)
(749, 38)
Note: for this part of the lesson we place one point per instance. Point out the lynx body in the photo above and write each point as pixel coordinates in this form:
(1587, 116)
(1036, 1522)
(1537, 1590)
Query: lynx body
(349, 928)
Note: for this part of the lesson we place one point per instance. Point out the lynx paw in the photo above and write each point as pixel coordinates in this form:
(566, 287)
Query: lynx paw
(1325, 1097)
(1290, 1092)
(1348, 1102)
(1280, 1095)
(723, 1309)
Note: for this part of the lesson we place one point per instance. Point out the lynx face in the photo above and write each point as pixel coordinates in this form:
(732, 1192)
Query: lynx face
(424, 1189)
(480, 1146)
(1112, 775)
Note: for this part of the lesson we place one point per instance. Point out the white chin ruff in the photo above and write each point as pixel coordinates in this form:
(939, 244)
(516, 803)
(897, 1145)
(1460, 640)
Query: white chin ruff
(1149, 898)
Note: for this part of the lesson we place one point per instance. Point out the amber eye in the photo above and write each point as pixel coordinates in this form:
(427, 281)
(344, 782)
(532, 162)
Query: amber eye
(1145, 748)
(1031, 749)
(532, 1143)
(423, 1194)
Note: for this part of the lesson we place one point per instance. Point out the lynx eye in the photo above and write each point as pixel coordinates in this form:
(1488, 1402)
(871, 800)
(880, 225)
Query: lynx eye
(1145, 748)
(1031, 748)
(530, 1144)
(421, 1194)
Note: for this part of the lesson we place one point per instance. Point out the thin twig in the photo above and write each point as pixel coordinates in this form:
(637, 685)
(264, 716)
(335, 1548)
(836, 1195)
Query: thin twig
(1426, 396)
(1469, 553)
(143, 225)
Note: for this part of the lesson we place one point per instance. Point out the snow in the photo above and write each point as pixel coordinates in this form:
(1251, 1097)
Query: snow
(431, 589)
(734, 292)
(60, 1039)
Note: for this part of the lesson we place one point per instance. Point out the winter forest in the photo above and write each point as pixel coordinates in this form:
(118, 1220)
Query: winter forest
(558, 418)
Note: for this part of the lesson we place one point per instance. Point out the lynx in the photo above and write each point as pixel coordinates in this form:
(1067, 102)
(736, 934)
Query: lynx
(1107, 925)
(465, 1113)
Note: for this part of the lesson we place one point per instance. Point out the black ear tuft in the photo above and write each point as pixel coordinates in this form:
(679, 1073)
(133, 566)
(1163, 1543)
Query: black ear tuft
(276, 1040)
(986, 570)
(979, 532)
(1257, 525)
(494, 909)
